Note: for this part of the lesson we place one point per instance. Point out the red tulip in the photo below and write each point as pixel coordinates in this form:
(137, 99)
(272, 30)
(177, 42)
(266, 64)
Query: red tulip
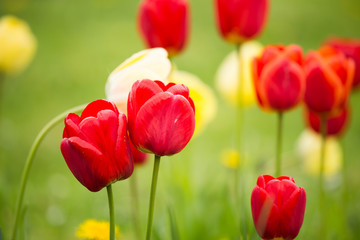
(240, 20)
(279, 77)
(138, 156)
(96, 146)
(329, 78)
(278, 207)
(164, 23)
(335, 125)
(351, 49)
(161, 117)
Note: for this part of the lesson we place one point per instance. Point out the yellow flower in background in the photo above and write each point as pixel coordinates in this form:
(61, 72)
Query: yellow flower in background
(147, 64)
(202, 95)
(309, 148)
(17, 45)
(227, 79)
(92, 229)
(230, 158)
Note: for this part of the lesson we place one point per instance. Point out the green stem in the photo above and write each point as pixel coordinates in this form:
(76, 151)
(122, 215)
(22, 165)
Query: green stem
(111, 211)
(135, 205)
(30, 158)
(322, 202)
(279, 145)
(152, 196)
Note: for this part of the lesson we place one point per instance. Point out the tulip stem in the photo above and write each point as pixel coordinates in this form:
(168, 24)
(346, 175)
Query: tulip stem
(322, 202)
(30, 158)
(135, 205)
(279, 145)
(111, 211)
(152, 196)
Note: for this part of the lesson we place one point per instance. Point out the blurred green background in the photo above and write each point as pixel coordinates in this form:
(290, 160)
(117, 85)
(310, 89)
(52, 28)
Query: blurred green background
(80, 43)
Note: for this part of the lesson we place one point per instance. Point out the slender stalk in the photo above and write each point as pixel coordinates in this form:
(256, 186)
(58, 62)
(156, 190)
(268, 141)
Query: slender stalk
(2, 82)
(111, 211)
(322, 201)
(279, 145)
(152, 196)
(30, 158)
(135, 205)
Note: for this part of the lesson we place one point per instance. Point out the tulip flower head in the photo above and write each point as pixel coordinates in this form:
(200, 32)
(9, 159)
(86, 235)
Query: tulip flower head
(151, 63)
(335, 125)
(17, 45)
(164, 23)
(278, 207)
(203, 96)
(329, 78)
(240, 20)
(95, 145)
(279, 78)
(351, 49)
(161, 117)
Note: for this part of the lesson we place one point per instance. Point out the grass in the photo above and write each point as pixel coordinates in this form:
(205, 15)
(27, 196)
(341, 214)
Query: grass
(80, 43)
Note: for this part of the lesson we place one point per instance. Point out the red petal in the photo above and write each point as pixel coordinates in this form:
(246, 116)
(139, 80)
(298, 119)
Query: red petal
(94, 107)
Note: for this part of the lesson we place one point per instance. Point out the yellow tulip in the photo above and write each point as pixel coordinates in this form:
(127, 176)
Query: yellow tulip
(227, 80)
(230, 158)
(202, 95)
(309, 148)
(92, 229)
(17, 45)
(147, 64)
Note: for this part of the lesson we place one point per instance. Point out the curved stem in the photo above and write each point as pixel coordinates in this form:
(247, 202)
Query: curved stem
(111, 211)
(322, 202)
(152, 196)
(30, 158)
(279, 145)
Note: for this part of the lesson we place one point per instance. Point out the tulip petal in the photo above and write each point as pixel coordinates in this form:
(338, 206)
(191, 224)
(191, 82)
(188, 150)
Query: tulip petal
(164, 124)
(94, 107)
(72, 122)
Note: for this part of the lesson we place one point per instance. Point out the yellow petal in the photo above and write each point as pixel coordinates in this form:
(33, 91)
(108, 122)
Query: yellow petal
(96, 230)
(227, 79)
(147, 64)
(309, 150)
(202, 95)
(17, 45)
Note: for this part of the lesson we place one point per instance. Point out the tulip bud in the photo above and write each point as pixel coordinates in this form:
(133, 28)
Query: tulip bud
(164, 23)
(240, 20)
(335, 125)
(329, 78)
(161, 117)
(95, 145)
(279, 77)
(278, 207)
(147, 64)
(351, 49)
(17, 45)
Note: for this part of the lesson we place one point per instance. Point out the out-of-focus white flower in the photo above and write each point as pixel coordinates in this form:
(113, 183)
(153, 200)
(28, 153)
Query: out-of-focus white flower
(17, 45)
(147, 64)
(227, 79)
(202, 95)
(309, 150)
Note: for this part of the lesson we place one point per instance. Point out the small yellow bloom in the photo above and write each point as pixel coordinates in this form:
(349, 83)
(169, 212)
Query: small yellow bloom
(17, 45)
(309, 149)
(227, 78)
(96, 230)
(202, 95)
(147, 64)
(230, 158)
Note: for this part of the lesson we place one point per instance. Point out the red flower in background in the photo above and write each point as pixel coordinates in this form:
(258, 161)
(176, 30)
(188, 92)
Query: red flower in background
(329, 78)
(240, 20)
(138, 156)
(335, 125)
(351, 49)
(95, 145)
(161, 117)
(278, 207)
(279, 78)
(164, 23)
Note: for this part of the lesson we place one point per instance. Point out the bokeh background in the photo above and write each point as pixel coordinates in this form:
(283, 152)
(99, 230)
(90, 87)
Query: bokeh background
(80, 43)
